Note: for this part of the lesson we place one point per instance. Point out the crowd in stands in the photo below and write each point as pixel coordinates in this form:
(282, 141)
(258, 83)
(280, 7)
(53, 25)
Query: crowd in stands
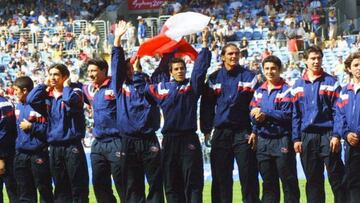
(34, 34)
(261, 28)
(282, 28)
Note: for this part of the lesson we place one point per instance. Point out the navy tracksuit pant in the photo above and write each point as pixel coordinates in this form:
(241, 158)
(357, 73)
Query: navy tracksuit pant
(142, 159)
(32, 173)
(106, 163)
(352, 168)
(70, 172)
(9, 180)
(183, 170)
(315, 153)
(277, 159)
(227, 145)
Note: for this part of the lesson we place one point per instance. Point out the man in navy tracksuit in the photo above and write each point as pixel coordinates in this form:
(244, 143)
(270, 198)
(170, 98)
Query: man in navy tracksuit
(182, 162)
(314, 96)
(347, 122)
(137, 120)
(225, 105)
(7, 149)
(31, 163)
(271, 110)
(66, 128)
(106, 148)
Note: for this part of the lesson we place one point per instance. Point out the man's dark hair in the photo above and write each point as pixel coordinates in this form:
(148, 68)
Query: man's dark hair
(176, 60)
(223, 50)
(99, 62)
(62, 68)
(273, 59)
(313, 49)
(24, 82)
(349, 60)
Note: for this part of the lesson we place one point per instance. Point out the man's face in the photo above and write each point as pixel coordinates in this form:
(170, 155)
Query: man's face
(20, 94)
(271, 72)
(314, 62)
(231, 57)
(178, 71)
(96, 75)
(56, 79)
(355, 68)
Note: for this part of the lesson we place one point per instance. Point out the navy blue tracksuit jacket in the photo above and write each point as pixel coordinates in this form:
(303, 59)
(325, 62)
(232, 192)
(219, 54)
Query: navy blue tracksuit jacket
(7, 128)
(231, 93)
(35, 139)
(278, 108)
(65, 113)
(314, 104)
(103, 102)
(178, 100)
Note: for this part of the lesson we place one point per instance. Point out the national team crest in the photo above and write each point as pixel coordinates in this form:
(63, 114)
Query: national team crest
(118, 154)
(39, 161)
(191, 147)
(284, 150)
(75, 150)
(154, 149)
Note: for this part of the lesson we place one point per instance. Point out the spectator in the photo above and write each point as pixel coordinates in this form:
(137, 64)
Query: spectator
(332, 24)
(292, 41)
(13, 27)
(265, 53)
(69, 41)
(131, 36)
(280, 35)
(244, 45)
(43, 21)
(141, 31)
(10, 88)
(94, 39)
(315, 23)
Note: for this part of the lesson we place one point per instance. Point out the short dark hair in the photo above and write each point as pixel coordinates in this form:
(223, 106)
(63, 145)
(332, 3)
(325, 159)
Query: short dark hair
(313, 49)
(349, 60)
(62, 68)
(176, 60)
(24, 82)
(99, 62)
(273, 59)
(223, 50)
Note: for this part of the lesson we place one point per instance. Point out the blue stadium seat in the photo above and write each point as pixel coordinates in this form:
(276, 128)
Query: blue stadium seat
(239, 35)
(257, 35)
(5, 59)
(248, 35)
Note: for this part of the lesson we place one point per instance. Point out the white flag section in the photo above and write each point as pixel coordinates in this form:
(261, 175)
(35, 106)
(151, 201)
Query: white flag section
(183, 24)
(171, 36)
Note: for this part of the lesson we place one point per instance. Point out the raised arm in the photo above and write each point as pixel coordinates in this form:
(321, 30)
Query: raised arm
(118, 64)
(202, 63)
(161, 73)
(36, 98)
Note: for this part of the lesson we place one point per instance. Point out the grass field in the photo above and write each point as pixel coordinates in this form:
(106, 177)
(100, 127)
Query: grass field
(236, 193)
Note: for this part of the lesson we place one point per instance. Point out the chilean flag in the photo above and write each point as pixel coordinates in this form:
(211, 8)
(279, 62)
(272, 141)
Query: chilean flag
(171, 36)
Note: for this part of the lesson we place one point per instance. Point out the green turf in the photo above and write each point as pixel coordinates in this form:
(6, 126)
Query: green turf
(236, 193)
